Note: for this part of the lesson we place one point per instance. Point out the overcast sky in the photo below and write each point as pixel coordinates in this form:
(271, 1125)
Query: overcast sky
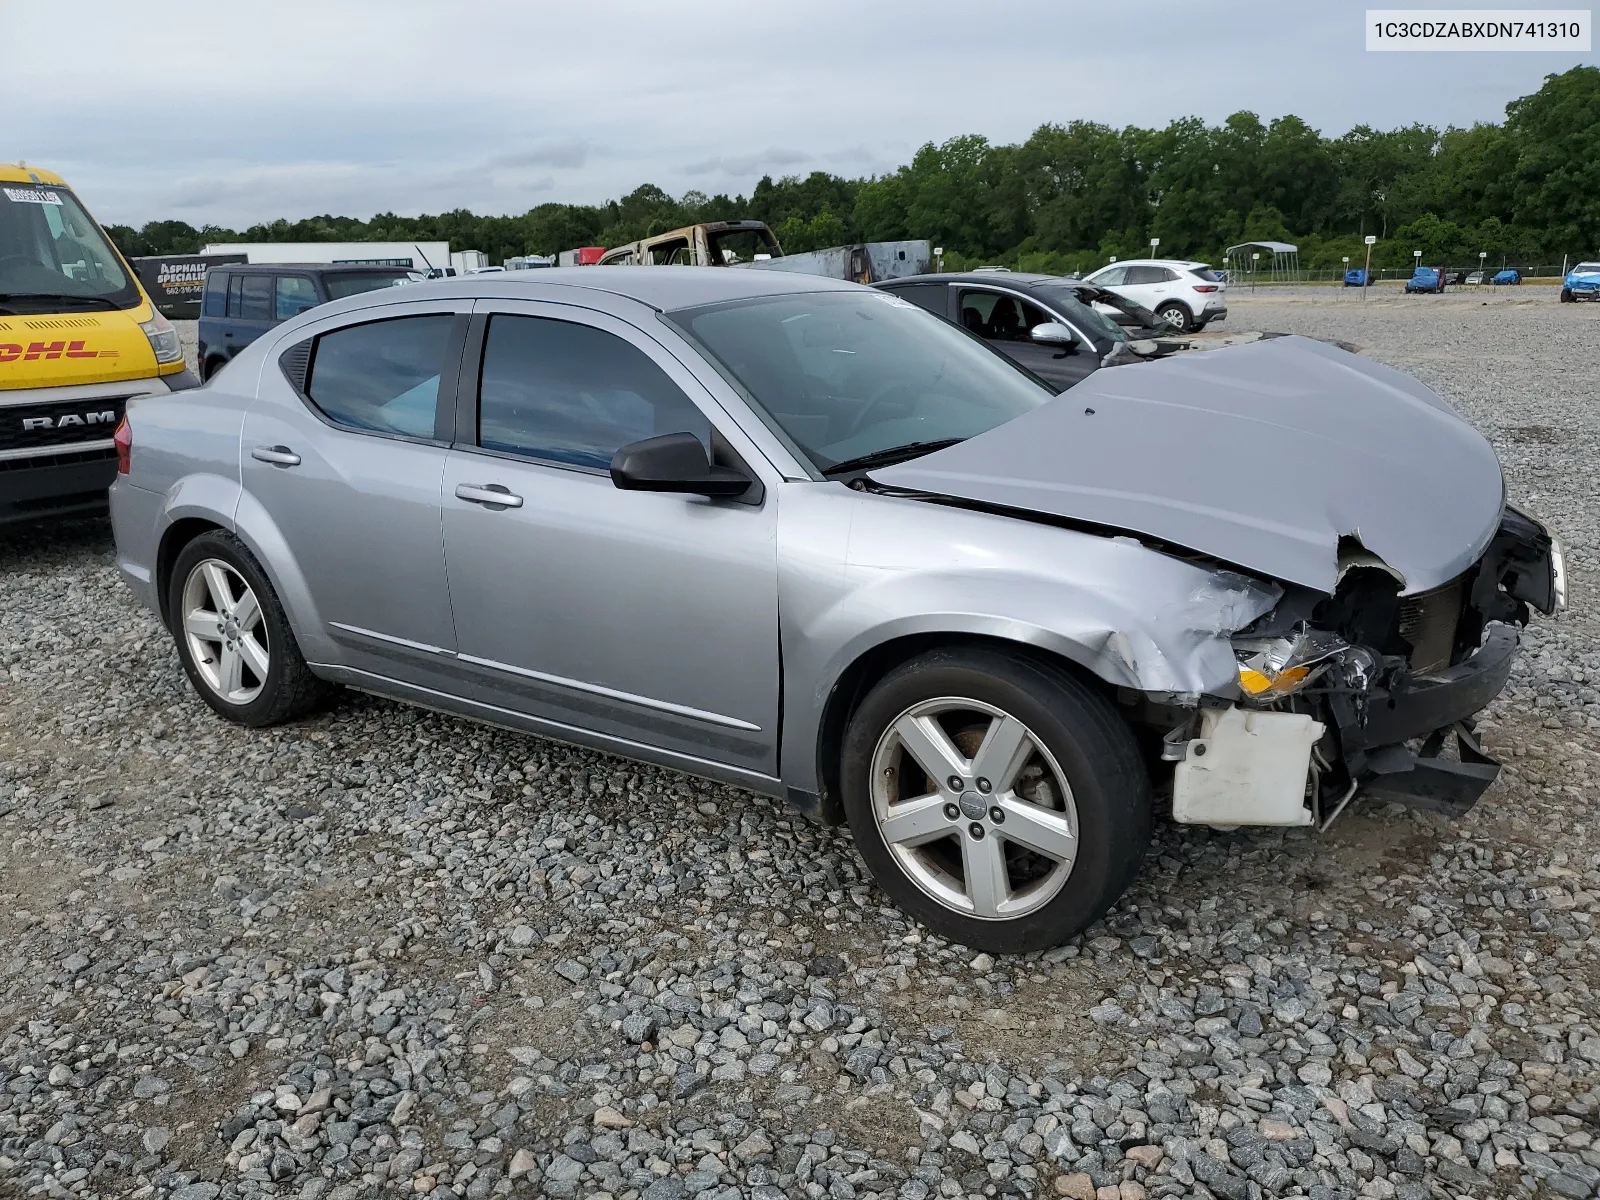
(207, 113)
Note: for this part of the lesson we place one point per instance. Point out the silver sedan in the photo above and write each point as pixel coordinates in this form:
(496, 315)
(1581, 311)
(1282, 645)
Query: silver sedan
(813, 540)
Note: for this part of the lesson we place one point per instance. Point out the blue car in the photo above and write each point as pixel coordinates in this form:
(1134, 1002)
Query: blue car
(1581, 283)
(1426, 279)
(242, 301)
(1355, 277)
(1509, 275)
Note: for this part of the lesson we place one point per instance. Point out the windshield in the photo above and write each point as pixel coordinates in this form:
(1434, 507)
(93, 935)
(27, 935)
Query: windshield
(50, 250)
(843, 375)
(1586, 269)
(1206, 273)
(1065, 299)
(340, 286)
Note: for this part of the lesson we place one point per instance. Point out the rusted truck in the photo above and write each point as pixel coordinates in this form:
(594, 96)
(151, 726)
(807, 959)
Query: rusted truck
(709, 244)
(752, 245)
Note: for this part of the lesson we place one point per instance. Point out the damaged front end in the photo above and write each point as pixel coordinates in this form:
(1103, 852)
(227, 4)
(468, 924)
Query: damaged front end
(1367, 689)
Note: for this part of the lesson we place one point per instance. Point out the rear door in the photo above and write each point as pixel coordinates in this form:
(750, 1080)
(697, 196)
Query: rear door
(249, 311)
(344, 448)
(1148, 285)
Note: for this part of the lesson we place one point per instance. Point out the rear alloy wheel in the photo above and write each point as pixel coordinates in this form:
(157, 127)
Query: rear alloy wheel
(233, 635)
(997, 799)
(223, 629)
(1177, 317)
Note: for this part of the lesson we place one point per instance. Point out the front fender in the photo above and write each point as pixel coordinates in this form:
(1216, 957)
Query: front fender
(1127, 614)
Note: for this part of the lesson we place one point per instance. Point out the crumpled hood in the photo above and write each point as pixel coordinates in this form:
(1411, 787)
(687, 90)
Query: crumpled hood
(1263, 455)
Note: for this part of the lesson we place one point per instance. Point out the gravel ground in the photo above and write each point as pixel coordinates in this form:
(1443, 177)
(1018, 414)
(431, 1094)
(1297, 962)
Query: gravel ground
(385, 951)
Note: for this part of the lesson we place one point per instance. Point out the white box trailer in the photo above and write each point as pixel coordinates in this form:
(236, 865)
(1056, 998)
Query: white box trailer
(422, 256)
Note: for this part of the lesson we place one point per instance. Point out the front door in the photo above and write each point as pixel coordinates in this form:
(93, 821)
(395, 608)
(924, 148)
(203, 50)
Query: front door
(1005, 321)
(647, 618)
(348, 465)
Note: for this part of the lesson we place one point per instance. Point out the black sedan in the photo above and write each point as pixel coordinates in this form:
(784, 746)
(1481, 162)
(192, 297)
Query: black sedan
(1029, 319)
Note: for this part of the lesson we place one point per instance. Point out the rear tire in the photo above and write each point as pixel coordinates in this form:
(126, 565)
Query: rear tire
(1177, 317)
(233, 635)
(1068, 785)
(213, 365)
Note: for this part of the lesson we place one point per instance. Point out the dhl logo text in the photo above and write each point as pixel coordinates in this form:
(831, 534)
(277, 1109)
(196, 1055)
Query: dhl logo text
(12, 351)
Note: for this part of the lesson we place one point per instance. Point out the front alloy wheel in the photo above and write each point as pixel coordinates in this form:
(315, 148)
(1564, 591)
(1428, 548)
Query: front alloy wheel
(974, 809)
(995, 796)
(227, 638)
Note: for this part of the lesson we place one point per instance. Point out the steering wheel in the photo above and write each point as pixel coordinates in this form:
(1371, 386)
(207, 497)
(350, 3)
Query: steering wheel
(873, 401)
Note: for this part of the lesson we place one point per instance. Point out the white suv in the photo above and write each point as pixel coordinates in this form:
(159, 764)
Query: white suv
(1186, 295)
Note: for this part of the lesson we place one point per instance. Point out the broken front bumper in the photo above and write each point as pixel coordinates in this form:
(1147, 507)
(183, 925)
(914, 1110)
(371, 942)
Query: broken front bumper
(1378, 753)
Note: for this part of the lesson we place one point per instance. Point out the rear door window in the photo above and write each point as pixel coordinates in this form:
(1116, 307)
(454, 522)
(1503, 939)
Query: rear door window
(383, 376)
(256, 298)
(295, 294)
(574, 395)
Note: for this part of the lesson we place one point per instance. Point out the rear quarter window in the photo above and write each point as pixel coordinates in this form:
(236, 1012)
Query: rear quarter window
(383, 376)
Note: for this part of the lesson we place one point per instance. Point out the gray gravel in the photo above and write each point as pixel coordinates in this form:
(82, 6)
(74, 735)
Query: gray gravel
(385, 951)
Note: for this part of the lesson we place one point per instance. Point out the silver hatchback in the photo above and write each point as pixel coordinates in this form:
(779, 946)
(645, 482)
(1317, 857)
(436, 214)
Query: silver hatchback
(807, 538)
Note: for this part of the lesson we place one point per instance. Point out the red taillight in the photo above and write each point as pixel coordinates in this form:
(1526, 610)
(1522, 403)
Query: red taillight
(1205, 287)
(123, 440)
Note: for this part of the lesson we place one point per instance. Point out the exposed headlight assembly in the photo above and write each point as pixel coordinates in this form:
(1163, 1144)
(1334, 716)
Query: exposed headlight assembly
(1558, 574)
(1273, 667)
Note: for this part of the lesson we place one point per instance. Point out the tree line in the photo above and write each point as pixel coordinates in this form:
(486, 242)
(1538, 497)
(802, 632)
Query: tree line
(1524, 190)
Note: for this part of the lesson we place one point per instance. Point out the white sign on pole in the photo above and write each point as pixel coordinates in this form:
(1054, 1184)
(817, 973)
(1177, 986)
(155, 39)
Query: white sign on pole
(1372, 239)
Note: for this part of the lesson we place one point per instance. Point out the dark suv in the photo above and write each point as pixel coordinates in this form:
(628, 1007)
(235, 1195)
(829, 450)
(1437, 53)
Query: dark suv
(244, 301)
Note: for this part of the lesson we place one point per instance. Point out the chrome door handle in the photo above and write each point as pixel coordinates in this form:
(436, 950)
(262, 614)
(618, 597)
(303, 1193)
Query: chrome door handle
(278, 456)
(492, 495)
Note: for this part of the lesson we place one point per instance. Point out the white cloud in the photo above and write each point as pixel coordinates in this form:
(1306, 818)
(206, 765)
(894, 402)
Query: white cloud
(744, 165)
(361, 106)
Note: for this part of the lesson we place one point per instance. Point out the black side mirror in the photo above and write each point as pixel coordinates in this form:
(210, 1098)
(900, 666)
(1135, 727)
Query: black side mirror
(674, 462)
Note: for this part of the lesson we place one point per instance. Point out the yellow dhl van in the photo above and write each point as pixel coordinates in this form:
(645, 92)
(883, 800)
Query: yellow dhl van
(78, 337)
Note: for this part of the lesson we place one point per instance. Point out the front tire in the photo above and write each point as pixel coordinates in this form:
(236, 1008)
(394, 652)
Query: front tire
(1177, 317)
(1051, 817)
(233, 635)
(1566, 295)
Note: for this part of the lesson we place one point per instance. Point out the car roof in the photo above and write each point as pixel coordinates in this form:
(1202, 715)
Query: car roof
(989, 278)
(662, 288)
(1186, 263)
(340, 268)
(18, 173)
